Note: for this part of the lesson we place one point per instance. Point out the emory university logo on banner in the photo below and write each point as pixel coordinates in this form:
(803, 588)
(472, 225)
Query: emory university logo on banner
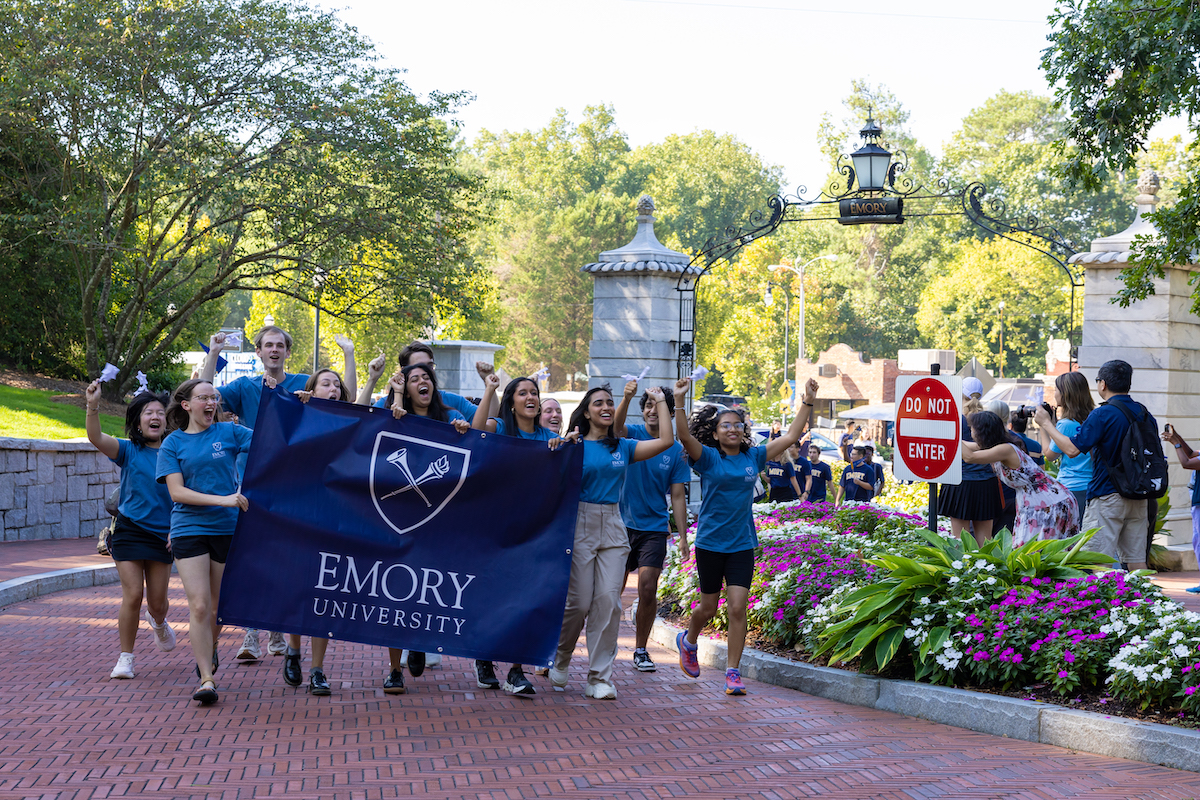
(413, 479)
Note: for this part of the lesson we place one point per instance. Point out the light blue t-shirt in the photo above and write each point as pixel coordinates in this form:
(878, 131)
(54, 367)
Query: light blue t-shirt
(1073, 473)
(539, 434)
(242, 396)
(726, 523)
(604, 470)
(449, 399)
(644, 504)
(208, 463)
(143, 501)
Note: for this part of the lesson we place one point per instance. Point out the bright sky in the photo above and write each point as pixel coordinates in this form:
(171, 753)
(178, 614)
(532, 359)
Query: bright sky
(762, 70)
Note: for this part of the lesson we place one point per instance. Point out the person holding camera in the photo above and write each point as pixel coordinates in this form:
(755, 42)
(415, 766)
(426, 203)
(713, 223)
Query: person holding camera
(1045, 508)
(1018, 423)
(1121, 520)
(1188, 459)
(1074, 405)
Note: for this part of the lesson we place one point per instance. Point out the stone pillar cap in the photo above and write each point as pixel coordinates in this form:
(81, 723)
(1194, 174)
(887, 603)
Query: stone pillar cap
(645, 253)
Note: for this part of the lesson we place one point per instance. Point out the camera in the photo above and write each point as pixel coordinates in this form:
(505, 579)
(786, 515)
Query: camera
(1027, 412)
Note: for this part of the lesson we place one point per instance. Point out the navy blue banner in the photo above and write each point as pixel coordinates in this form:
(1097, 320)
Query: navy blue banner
(402, 533)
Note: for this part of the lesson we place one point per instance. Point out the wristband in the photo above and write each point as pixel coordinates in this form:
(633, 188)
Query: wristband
(810, 405)
(1179, 445)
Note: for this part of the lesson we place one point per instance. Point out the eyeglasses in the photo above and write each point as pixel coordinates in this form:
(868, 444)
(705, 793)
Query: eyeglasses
(732, 426)
(205, 398)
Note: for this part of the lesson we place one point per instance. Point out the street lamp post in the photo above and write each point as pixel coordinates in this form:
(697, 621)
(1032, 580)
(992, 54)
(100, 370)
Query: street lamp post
(1001, 338)
(799, 271)
(787, 313)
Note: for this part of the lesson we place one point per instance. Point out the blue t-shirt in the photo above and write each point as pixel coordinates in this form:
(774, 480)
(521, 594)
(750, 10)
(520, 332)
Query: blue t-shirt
(208, 463)
(726, 523)
(821, 474)
(1196, 493)
(1103, 431)
(242, 396)
(780, 474)
(1073, 473)
(604, 470)
(864, 471)
(539, 434)
(644, 505)
(450, 400)
(143, 500)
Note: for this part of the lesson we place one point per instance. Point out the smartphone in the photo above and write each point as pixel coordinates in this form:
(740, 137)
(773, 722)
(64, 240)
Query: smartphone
(1168, 430)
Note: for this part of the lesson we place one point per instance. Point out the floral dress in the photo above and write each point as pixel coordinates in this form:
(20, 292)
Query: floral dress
(1045, 508)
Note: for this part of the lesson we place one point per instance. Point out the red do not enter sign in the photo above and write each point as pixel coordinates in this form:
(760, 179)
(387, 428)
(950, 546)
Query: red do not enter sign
(928, 429)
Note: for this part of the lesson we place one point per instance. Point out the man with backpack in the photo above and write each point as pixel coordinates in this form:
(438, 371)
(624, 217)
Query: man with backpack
(1128, 469)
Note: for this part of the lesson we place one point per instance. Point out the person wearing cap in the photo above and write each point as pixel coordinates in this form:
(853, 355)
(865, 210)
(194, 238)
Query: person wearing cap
(847, 440)
(869, 447)
(858, 478)
(978, 500)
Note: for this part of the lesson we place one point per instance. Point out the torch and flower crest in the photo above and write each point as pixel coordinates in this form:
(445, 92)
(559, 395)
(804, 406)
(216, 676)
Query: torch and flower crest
(397, 474)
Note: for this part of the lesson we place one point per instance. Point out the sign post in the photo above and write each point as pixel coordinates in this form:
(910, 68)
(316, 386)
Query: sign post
(928, 432)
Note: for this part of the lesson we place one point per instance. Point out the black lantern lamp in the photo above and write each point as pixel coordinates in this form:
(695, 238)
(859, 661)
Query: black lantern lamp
(871, 161)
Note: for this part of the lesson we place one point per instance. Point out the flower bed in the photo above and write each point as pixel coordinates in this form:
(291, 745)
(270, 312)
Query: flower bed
(866, 587)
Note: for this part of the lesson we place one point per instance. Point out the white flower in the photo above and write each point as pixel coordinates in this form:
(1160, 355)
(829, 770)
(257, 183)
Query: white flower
(990, 581)
(991, 568)
(980, 564)
(953, 579)
(956, 564)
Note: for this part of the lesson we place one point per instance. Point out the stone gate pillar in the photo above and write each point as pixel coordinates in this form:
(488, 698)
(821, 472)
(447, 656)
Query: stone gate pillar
(1158, 336)
(635, 310)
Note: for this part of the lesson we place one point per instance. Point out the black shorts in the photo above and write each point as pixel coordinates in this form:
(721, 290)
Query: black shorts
(732, 569)
(646, 549)
(782, 494)
(132, 542)
(215, 547)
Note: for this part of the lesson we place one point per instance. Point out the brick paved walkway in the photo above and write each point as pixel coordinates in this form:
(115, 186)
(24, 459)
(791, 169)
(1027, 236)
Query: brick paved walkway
(69, 732)
(18, 559)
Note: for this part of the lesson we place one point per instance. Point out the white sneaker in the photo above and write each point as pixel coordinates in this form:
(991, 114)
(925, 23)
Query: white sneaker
(164, 635)
(433, 660)
(276, 645)
(600, 691)
(558, 677)
(250, 650)
(124, 667)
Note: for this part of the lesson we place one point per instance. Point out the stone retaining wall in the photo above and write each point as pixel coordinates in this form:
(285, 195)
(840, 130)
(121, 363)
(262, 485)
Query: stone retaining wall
(53, 490)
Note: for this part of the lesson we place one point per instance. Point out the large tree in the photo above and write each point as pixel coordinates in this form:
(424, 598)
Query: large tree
(1119, 68)
(216, 145)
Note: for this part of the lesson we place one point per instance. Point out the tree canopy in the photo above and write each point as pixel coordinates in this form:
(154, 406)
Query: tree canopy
(210, 146)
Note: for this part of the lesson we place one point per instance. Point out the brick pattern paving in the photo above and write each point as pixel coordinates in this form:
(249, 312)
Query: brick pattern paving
(18, 559)
(69, 732)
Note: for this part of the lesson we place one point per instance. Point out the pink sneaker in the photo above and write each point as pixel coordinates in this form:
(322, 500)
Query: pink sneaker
(687, 656)
(733, 682)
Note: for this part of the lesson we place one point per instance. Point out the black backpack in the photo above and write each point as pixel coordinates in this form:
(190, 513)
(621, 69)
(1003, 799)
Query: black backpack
(1140, 471)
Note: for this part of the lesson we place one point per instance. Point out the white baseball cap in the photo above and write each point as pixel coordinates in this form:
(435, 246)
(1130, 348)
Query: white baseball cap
(972, 386)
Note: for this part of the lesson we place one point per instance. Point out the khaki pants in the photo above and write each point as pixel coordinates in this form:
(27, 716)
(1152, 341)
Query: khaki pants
(594, 593)
(1122, 524)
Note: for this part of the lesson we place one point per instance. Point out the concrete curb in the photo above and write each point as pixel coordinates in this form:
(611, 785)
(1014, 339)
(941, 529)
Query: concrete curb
(30, 586)
(1027, 720)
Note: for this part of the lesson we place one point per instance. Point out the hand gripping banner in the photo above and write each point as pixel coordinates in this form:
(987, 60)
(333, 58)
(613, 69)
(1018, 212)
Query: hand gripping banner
(402, 533)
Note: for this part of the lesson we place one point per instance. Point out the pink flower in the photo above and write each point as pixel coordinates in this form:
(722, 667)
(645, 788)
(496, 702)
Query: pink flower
(1062, 673)
(1068, 656)
(1189, 691)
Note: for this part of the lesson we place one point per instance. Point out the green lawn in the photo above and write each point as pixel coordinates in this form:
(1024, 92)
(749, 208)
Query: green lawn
(29, 414)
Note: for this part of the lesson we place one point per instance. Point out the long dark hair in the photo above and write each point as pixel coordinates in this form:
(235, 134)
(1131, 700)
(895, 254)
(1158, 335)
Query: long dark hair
(987, 429)
(312, 383)
(703, 426)
(507, 416)
(1074, 396)
(578, 420)
(437, 409)
(177, 415)
(133, 416)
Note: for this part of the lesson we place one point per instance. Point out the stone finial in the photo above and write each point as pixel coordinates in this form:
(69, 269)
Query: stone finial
(645, 206)
(1147, 186)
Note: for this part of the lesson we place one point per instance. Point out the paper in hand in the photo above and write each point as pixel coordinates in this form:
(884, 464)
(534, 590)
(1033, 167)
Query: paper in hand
(142, 385)
(542, 374)
(108, 373)
(645, 371)
(233, 339)
(698, 374)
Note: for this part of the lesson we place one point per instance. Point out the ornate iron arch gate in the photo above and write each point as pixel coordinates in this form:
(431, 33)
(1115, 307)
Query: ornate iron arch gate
(877, 198)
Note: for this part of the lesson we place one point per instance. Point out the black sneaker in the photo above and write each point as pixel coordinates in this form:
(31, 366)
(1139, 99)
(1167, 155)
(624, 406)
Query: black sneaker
(516, 682)
(641, 660)
(485, 675)
(317, 685)
(416, 663)
(292, 675)
(394, 683)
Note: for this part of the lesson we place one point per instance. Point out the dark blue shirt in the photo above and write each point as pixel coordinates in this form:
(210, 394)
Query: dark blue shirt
(1034, 448)
(974, 472)
(1103, 431)
(780, 473)
(866, 473)
(821, 475)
